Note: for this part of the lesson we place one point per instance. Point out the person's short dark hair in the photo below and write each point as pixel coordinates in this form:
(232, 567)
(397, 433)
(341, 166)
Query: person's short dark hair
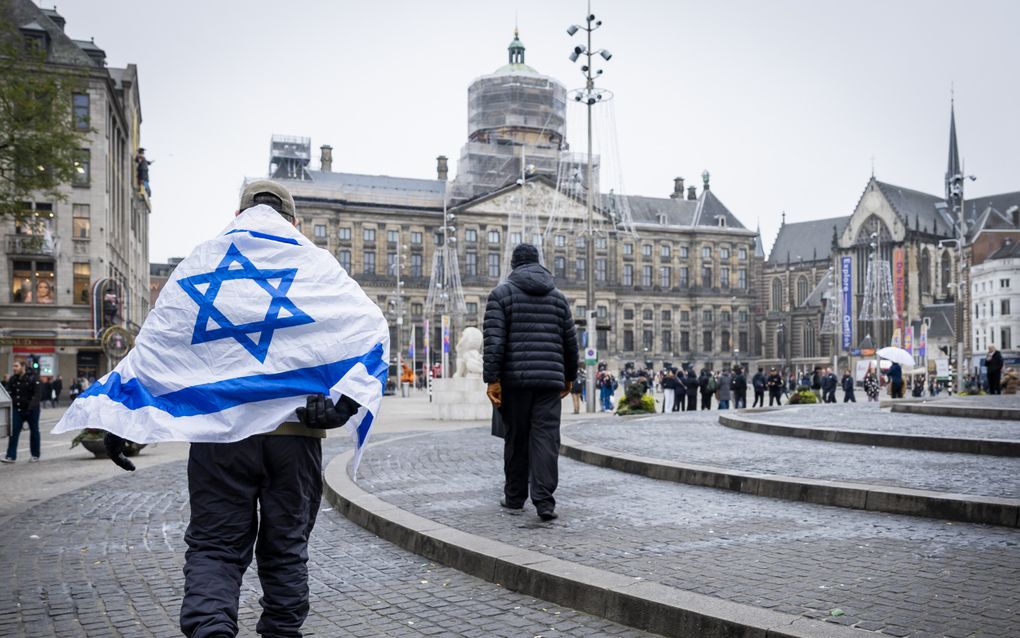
(524, 254)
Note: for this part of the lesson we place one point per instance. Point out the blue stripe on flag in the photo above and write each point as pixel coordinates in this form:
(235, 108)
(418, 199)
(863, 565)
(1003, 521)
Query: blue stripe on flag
(255, 233)
(208, 398)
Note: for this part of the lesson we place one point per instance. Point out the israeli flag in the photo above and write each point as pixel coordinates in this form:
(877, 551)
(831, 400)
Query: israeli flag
(247, 327)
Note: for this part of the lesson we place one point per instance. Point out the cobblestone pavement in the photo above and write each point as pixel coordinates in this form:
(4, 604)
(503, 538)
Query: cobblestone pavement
(862, 416)
(698, 438)
(901, 575)
(105, 561)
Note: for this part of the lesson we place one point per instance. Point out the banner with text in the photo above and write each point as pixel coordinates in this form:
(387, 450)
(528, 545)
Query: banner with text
(899, 285)
(846, 275)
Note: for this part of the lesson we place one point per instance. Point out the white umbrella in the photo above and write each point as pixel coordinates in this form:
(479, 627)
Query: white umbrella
(897, 355)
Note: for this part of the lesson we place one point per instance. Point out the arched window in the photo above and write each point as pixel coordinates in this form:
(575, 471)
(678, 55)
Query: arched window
(946, 269)
(924, 274)
(802, 290)
(777, 294)
(809, 340)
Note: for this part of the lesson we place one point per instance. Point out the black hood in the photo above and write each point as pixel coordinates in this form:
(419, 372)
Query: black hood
(532, 278)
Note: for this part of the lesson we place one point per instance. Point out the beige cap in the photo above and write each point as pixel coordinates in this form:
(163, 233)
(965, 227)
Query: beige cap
(253, 188)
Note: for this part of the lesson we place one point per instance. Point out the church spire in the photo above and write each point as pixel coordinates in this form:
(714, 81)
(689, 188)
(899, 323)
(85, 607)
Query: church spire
(953, 167)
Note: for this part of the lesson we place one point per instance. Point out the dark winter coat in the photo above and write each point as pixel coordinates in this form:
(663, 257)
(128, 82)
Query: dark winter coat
(848, 383)
(530, 341)
(25, 391)
(994, 363)
(759, 382)
(692, 385)
(739, 385)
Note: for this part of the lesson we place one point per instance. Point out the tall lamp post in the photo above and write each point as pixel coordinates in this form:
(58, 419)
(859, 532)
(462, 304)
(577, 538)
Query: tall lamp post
(589, 96)
(956, 206)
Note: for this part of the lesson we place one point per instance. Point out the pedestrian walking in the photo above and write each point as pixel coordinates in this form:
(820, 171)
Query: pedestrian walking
(829, 384)
(848, 387)
(725, 390)
(871, 386)
(993, 363)
(668, 390)
(896, 380)
(758, 382)
(530, 357)
(775, 386)
(255, 460)
(26, 395)
(693, 387)
(679, 391)
(739, 385)
(577, 388)
(707, 386)
(58, 387)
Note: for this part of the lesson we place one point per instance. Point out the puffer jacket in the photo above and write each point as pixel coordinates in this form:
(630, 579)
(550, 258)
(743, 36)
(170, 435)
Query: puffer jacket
(530, 342)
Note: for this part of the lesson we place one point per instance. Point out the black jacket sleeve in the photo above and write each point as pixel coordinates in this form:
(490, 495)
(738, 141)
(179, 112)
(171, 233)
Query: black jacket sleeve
(494, 331)
(569, 342)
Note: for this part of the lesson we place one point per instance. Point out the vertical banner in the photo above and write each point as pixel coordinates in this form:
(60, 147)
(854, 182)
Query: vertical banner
(425, 339)
(899, 286)
(848, 317)
(922, 342)
(908, 339)
(446, 334)
(410, 347)
(897, 339)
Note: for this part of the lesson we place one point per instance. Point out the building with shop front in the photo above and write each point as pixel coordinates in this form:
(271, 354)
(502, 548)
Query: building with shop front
(76, 271)
(679, 288)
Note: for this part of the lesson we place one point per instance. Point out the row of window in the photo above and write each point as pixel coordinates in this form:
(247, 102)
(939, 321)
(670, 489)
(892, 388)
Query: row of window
(987, 309)
(706, 315)
(35, 282)
(988, 286)
(982, 339)
(708, 343)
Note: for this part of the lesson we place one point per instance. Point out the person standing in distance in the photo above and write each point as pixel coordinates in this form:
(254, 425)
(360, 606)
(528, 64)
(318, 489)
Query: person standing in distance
(530, 361)
(26, 397)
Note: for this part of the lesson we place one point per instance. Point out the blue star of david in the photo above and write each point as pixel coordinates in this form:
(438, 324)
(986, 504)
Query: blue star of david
(242, 333)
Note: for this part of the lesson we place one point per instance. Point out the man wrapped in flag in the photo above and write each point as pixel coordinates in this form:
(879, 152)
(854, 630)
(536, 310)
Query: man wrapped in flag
(258, 344)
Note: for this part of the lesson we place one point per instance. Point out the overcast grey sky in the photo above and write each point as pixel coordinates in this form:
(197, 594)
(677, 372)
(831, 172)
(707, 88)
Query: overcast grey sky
(784, 102)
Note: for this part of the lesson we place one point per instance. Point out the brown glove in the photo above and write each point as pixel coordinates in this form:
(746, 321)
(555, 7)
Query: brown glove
(565, 391)
(495, 393)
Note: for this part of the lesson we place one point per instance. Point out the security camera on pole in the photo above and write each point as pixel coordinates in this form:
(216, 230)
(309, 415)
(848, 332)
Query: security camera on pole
(589, 96)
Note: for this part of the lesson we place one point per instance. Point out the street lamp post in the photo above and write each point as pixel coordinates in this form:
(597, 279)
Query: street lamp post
(589, 96)
(956, 204)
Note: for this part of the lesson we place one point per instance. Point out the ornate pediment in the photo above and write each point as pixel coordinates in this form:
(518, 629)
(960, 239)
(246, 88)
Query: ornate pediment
(539, 199)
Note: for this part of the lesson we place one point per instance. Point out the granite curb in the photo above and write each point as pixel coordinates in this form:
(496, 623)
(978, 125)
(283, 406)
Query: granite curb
(925, 503)
(633, 602)
(945, 408)
(991, 447)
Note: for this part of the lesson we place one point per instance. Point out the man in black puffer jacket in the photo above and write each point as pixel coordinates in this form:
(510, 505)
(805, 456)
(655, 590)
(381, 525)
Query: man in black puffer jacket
(530, 360)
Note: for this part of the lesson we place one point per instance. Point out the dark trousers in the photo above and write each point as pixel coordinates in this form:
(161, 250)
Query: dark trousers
(848, 396)
(995, 382)
(679, 400)
(261, 494)
(774, 396)
(18, 419)
(759, 398)
(706, 401)
(531, 447)
(692, 402)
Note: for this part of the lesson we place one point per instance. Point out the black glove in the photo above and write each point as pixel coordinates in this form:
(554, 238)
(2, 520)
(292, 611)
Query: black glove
(321, 414)
(115, 450)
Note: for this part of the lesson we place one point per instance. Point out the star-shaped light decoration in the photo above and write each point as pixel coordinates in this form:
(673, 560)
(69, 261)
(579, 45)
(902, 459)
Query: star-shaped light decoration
(242, 333)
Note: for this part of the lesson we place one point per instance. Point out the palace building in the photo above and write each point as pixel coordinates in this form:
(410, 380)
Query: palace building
(680, 287)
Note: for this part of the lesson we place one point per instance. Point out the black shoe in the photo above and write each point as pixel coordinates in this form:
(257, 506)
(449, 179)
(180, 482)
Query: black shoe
(504, 503)
(548, 515)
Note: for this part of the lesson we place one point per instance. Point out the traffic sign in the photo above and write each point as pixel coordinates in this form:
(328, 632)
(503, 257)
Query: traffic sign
(590, 356)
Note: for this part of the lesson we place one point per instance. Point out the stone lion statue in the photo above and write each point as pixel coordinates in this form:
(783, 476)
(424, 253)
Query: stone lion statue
(469, 353)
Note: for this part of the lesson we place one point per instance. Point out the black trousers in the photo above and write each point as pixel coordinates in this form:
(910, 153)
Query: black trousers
(692, 402)
(775, 396)
(531, 447)
(848, 396)
(261, 494)
(995, 382)
(759, 398)
(706, 401)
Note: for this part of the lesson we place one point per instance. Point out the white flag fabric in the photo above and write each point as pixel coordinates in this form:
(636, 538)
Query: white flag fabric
(248, 326)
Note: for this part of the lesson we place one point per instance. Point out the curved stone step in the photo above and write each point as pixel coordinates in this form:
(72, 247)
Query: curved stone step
(992, 447)
(894, 500)
(637, 603)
